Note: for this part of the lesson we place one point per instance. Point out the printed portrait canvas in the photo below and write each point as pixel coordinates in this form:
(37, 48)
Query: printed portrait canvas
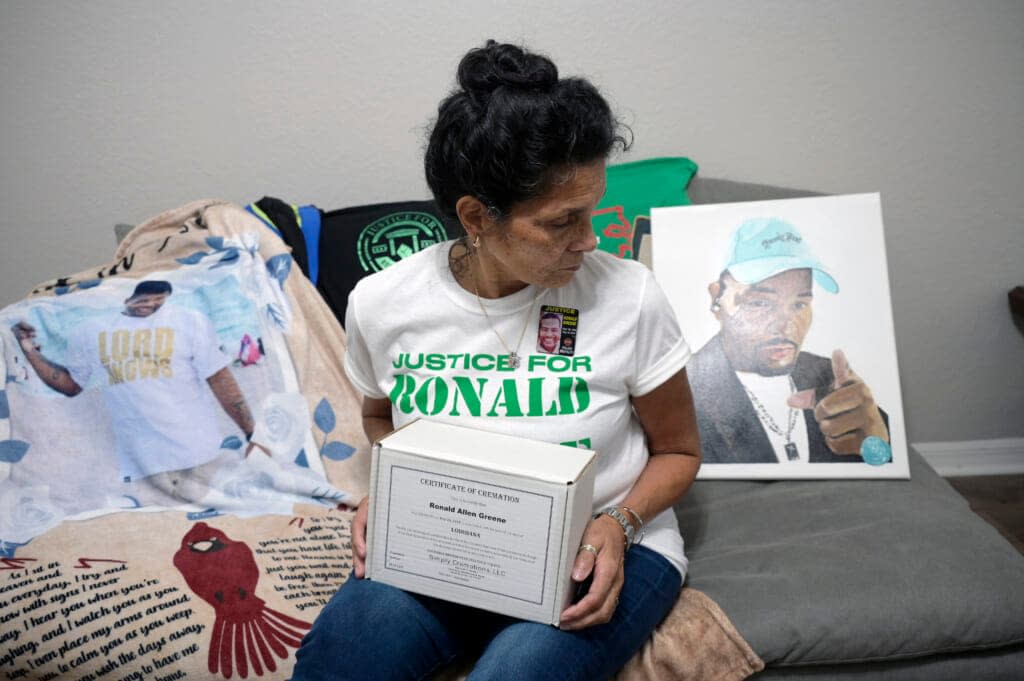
(786, 306)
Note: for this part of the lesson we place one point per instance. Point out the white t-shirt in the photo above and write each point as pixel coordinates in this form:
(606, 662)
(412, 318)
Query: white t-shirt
(417, 337)
(154, 372)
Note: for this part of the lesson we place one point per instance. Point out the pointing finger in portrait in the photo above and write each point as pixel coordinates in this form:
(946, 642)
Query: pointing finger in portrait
(840, 369)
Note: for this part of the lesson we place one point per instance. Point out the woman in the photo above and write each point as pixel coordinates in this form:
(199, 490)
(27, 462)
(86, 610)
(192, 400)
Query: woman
(517, 156)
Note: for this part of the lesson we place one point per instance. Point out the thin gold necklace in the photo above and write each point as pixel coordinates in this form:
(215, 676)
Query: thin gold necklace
(513, 355)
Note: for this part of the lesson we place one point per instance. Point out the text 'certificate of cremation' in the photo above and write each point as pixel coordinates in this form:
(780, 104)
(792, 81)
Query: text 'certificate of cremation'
(469, 533)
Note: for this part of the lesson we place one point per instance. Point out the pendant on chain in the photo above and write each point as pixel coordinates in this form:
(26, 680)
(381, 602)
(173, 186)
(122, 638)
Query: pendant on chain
(791, 453)
(513, 359)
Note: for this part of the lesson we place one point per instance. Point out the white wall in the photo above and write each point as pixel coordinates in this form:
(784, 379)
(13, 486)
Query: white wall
(115, 110)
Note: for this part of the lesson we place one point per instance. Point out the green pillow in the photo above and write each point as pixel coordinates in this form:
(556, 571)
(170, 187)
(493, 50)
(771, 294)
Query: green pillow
(633, 189)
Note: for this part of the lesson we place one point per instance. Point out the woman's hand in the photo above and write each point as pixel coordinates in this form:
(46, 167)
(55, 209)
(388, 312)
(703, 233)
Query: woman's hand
(376, 424)
(358, 531)
(598, 605)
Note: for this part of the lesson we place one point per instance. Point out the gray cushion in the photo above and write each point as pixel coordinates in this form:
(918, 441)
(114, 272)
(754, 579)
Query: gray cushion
(1000, 664)
(715, 190)
(849, 571)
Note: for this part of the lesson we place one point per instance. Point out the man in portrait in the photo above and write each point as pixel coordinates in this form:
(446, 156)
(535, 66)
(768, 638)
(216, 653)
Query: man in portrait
(549, 334)
(163, 376)
(760, 398)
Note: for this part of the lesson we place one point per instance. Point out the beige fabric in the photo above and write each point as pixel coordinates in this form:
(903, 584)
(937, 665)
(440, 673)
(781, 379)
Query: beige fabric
(696, 641)
(103, 598)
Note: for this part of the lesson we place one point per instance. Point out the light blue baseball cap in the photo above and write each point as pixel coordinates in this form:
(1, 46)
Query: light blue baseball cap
(764, 247)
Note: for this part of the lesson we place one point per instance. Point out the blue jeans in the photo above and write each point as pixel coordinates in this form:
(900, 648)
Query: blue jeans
(374, 631)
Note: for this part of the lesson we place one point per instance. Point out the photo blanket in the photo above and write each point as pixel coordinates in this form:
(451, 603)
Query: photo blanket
(178, 451)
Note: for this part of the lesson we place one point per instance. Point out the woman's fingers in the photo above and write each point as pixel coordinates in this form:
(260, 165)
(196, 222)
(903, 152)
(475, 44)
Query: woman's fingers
(600, 556)
(359, 538)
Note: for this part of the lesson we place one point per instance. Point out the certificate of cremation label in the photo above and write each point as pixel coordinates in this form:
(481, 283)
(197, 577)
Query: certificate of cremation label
(469, 533)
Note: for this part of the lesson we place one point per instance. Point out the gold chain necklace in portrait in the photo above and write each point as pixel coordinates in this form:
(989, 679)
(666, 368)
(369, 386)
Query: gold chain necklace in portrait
(762, 412)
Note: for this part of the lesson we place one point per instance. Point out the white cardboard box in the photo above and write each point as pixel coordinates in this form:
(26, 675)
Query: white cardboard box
(487, 520)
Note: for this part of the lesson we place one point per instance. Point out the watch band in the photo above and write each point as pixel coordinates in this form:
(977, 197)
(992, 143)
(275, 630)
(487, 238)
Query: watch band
(619, 517)
(638, 526)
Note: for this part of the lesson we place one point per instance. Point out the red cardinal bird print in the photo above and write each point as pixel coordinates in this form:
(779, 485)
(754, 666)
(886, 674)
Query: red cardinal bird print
(223, 573)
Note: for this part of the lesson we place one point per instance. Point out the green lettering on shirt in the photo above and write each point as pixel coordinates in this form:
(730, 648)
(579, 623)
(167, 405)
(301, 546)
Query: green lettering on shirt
(505, 397)
(508, 397)
(464, 389)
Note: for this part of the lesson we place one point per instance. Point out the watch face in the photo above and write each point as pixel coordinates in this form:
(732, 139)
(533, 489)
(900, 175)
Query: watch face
(875, 451)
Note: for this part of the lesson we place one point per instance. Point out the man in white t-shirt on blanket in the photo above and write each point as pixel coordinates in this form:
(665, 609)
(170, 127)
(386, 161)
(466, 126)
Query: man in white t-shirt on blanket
(758, 397)
(164, 368)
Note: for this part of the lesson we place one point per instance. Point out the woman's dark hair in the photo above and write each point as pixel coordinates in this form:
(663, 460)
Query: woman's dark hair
(511, 125)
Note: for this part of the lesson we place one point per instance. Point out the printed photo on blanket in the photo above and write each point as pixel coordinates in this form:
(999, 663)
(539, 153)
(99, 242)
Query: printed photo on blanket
(175, 390)
(787, 307)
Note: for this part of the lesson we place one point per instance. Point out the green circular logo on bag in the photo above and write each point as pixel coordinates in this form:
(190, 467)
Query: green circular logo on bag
(388, 239)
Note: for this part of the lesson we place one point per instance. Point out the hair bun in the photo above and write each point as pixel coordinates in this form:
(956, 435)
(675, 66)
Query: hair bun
(485, 69)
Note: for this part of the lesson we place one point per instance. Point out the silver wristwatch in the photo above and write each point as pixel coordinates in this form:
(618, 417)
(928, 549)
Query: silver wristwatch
(621, 519)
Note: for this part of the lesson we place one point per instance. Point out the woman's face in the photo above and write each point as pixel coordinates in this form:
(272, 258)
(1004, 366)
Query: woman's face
(542, 241)
(550, 334)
